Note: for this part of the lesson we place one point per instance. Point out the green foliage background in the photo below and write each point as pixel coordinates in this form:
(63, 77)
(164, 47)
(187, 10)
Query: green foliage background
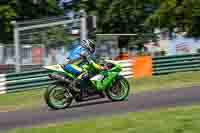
(114, 16)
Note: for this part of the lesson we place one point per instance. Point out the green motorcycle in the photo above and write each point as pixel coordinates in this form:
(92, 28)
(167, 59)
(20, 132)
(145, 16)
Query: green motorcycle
(100, 84)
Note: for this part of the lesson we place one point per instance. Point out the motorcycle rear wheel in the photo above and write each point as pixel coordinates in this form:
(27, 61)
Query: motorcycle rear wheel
(56, 97)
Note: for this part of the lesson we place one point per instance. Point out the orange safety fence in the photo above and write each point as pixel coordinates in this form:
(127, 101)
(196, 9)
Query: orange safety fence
(142, 66)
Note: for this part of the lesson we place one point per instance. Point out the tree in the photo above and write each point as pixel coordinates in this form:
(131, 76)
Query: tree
(42, 8)
(118, 16)
(122, 16)
(23, 10)
(183, 14)
(7, 14)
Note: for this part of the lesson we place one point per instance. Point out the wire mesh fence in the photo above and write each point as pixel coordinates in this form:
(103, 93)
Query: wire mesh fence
(44, 41)
(39, 42)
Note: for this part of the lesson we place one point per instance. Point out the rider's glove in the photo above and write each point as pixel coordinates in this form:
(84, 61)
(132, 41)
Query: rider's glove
(104, 68)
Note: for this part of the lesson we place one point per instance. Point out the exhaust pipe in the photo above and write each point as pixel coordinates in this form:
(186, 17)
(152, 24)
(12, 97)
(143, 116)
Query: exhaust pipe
(59, 78)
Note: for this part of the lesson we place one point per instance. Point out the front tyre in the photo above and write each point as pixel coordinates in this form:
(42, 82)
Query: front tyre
(57, 97)
(119, 90)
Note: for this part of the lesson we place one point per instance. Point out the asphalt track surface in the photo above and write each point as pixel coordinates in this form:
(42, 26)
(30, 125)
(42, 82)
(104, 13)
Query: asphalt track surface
(137, 102)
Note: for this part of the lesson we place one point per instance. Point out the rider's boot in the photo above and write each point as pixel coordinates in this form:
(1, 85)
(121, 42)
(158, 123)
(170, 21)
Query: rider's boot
(75, 86)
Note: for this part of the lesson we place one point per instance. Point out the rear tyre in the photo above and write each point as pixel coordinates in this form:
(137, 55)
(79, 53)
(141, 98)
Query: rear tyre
(57, 97)
(119, 90)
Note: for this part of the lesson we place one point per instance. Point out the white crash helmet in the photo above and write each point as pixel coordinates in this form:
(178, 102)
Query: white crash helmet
(89, 44)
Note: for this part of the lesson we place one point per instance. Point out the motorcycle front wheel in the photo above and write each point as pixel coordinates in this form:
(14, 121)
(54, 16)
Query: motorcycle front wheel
(119, 90)
(57, 97)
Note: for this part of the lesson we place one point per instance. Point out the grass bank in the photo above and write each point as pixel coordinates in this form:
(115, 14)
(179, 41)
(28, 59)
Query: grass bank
(34, 99)
(174, 120)
(170, 81)
(21, 100)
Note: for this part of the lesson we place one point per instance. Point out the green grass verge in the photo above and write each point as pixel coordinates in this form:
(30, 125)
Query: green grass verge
(175, 120)
(34, 99)
(21, 100)
(171, 81)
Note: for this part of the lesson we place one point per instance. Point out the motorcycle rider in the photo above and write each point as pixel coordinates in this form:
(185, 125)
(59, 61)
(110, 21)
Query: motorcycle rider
(78, 57)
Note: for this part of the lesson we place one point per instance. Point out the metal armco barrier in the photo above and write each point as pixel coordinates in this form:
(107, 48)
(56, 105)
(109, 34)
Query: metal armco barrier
(11, 68)
(172, 64)
(24, 81)
(15, 82)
